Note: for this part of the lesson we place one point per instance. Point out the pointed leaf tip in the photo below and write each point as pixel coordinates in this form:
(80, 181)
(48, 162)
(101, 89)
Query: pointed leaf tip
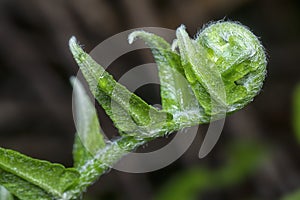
(72, 40)
(132, 36)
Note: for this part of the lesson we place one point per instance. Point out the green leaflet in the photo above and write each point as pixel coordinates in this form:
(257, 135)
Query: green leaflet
(22, 189)
(89, 139)
(124, 108)
(199, 70)
(176, 94)
(5, 194)
(53, 178)
(92, 73)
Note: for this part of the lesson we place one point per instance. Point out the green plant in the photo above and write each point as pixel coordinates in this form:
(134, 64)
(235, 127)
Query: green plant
(215, 74)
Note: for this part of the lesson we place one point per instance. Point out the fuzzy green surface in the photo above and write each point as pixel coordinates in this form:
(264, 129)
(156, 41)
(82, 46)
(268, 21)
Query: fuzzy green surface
(239, 57)
(41, 176)
(220, 71)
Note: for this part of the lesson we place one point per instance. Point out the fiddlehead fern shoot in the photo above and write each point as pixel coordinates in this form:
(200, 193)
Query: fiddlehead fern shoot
(202, 79)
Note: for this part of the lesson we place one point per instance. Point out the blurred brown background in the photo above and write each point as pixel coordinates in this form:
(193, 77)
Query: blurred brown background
(36, 102)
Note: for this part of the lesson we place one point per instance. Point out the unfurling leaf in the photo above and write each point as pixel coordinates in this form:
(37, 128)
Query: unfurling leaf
(225, 66)
(176, 93)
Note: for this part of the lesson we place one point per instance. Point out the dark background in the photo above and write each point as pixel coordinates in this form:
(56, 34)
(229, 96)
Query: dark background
(36, 96)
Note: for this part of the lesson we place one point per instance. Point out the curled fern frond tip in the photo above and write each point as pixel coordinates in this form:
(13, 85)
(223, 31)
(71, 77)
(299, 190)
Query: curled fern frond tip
(225, 64)
(239, 57)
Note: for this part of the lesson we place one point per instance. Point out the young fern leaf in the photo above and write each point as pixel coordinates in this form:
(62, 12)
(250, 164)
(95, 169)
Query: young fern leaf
(21, 188)
(199, 70)
(225, 66)
(176, 94)
(53, 178)
(219, 72)
(119, 103)
(92, 73)
(238, 56)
